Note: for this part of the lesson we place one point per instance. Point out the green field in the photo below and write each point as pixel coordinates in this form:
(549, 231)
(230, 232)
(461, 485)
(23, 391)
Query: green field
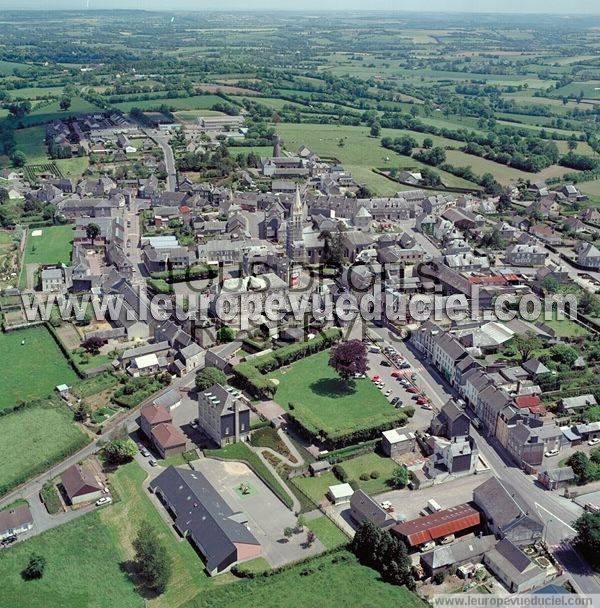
(31, 370)
(30, 141)
(33, 439)
(324, 581)
(46, 112)
(196, 102)
(359, 154)
(83, 569)
(53, 246)
(315, 386)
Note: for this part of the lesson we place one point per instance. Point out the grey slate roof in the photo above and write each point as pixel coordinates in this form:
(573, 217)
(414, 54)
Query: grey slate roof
(461, 551)
(203, 514)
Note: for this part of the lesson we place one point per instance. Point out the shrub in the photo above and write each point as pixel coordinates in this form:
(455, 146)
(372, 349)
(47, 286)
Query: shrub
(374, 474)
(364, 477)
(340, 473)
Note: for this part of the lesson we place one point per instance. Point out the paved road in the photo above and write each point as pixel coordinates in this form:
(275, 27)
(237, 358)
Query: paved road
(163, 141)
(556, 511)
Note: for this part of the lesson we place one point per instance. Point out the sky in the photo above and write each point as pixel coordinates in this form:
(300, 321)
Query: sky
(519, 6)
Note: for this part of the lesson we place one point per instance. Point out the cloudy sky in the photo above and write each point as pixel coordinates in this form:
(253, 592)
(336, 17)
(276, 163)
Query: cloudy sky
(528, 6)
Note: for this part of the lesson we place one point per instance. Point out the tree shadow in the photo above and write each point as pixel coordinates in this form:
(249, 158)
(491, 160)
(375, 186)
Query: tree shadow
(333, 387)
(131, 570)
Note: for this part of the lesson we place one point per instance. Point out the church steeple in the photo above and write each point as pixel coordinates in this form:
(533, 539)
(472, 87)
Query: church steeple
(297, 207)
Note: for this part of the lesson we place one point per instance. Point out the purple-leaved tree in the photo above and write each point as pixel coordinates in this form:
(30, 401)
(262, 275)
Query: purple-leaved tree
(349, 358)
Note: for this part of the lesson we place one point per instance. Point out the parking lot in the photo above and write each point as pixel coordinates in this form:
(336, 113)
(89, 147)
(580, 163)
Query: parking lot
(422, 417)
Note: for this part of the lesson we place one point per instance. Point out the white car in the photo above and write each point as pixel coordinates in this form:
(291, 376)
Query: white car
(388, 392)
(152, 462)
(551, 453)
(105, 500)
(594, 441)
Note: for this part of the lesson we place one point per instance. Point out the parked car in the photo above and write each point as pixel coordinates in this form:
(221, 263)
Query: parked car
(105, 500)
(385, 363)
(9, 540)
(412, 389)
(396, 375)
(427, 546)
(551, 453)
(375, 378)
(388, 392)
(395, 400)
(594, 441)
(152, 462)
(421, 400)
(144, 452)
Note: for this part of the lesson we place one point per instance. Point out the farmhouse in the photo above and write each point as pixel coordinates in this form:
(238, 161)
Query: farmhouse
(202, 515)
(14, 521)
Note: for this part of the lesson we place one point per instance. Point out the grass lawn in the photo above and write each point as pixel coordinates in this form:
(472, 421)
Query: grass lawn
(73, 167)
(196, 102)
(83, 569)
(566, 328)
(312, 385)
(327, 532)
(31, 440)
(54, 245)
(316, 487)
(122, 520)
(324, 581)
(31, 370)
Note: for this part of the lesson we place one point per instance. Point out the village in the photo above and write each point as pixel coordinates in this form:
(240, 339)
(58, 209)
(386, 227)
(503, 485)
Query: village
(463, 440)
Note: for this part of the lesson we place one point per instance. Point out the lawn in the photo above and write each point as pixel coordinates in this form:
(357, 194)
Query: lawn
(327, 532)
(54, 245)
(335, 581)
(83, 569)
(316, 487)
(122, 520)
(322, 401)
(33, 439)
(565, 328)
(33, 369)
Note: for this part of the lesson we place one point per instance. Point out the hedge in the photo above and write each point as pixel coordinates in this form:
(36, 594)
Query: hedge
(200, 271)
(351, 451)
(251, 374)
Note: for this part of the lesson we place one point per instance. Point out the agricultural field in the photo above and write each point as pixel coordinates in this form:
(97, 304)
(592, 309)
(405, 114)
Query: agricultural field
(196, 102)
(34, 438)
(32, 366)
(326, 402)
(30, 141)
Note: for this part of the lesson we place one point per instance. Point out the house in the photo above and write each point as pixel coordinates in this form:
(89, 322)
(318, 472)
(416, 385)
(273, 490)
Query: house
(450, 422)
(505, 512)
(56, 279)
(447, 352)
(395, 442)
(553, 479)
(572, 405)
(15, 521)
(317, 468)
(513, 568)
(545, 234)
(340, 493)
(152, 415)
(80, 484)
(168, 439)
(490, 402)
(449, 557)
(365, 508)
(534, 367)
(223, 415)
(588, 255)
(525, 446)
(436, 526)
(525, 255)
(192, 356)
(456, 457)
(201, 514)
(144, 365)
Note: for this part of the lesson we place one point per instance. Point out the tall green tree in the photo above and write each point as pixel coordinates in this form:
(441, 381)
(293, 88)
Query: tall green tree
(151, 558)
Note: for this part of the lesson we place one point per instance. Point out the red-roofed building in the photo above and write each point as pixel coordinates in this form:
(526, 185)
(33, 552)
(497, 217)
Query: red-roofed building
(437, 525)
(151, 415)
(530, 402)
(168, 439)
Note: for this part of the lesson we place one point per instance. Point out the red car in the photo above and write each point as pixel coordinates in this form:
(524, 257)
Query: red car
(375, 378)
(396, 374)
(421, 400)
(412, 389)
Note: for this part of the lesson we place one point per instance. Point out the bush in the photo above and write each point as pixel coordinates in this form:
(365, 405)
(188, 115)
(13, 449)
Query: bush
(374, 474)
(408, 411)
(340, 473)
(438, 577)
(364, 477)
(209, 376)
